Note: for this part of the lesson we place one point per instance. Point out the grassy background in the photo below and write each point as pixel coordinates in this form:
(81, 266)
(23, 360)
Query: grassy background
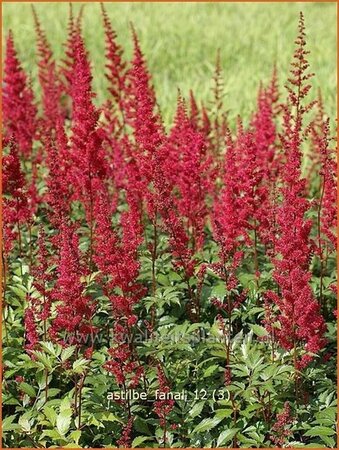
(180, 43)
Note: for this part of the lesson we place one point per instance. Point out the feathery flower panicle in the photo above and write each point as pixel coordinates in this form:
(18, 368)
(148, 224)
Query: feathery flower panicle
(115, 65)
(188, 168)
(43, 277)
(74, 311)
(38, 309)
(58, 195)
(219, 120)
(89, 166)
(171, 222)
(16, 209)
(142, 116)
(267, 166)
(31, 332)
(48, 77)
(324, 161)
(19, 110)
(126, 437)
(194, 113)
(229, 215)
(163, 407)
(281, 428)
(299, 315)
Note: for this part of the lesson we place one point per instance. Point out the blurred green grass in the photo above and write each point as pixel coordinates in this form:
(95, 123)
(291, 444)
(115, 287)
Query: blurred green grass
(180, 42)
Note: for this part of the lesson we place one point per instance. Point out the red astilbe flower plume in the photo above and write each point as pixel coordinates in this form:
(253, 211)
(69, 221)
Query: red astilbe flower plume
(328, 172)
(74, 311)
(230, 213)
(299, 315)
(172, 223)
(188, 168)
(89, 166)
(282, 427)
(194, 113)
(146, 123)
(19, 110)
(219, 119)
(58, 195)
(126, 438)
(324, 160)
(116, 67)
(163, 406)
(16, 209)
(116, 255)
(31, 331)
(39, 307)
(259, 162)
(48, 77)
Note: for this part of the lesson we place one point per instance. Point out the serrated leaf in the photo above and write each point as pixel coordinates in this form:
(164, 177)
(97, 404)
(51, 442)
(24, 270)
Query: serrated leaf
(139, 440)
(67, 353)
(27, 389)
(226, 436)
(196, 410)
(210, 370)
(79, 365)
(320, 431)
(8, 425)
(50, 414)
(63, 421)
(258, 330)
(206, 425)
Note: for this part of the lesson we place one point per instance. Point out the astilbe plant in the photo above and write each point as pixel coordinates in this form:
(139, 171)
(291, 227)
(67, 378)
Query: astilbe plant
(299, 315)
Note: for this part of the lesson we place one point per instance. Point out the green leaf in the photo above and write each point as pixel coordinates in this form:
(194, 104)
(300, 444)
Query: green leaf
(139, 440)
(329, 441)
(219, 291)
(206, 425)
(24, 422)
(80, 365)
(8, 425)
(222, 413)
(320, 431)
(226, 436)
(50, 414)
(75, 435)
(196, 410)
(67, 353)
(63, 421)
(210, 370)
(258, 330)
(27, 389)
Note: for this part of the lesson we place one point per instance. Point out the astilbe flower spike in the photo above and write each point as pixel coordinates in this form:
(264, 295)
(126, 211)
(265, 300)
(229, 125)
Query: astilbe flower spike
(282, 427)
(19, 110)
(58, 195)
(48, 77)
(163, 406)
(299, 316)
(116, 257)
(39, 307)
(189, 169)
(75, 309)
(142, 116)
(115, 65)
(16, 209)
